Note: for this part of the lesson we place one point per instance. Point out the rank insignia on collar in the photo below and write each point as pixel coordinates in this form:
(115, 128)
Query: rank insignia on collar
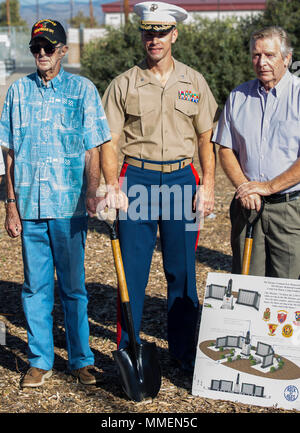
(188, 95)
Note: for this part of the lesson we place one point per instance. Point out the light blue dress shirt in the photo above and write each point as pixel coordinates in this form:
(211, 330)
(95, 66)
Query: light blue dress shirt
(263, 129)
(49, 128)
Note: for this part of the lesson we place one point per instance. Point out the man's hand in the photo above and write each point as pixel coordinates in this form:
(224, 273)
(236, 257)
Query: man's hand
(254, 187)
(13, 224)
(115, 198)
(251, 201)
(203, 202)
(111, 196)
(92, 202)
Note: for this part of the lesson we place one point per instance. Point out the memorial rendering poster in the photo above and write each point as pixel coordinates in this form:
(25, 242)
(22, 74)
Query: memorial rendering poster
(248, 347)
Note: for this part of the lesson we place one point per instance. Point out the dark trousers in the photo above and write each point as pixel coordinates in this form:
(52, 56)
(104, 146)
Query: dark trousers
(167, 211)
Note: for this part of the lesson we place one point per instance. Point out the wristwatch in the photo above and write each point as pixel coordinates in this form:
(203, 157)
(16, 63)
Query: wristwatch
(10, 200)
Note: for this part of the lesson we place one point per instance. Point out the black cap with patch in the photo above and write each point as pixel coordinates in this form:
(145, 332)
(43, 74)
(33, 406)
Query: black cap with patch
(48, 29)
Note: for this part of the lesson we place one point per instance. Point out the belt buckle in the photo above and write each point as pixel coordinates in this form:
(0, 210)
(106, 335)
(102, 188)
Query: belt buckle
(166, 168)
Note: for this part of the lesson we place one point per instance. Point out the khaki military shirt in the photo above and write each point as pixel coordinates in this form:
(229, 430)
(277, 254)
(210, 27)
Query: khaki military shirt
(160, 123)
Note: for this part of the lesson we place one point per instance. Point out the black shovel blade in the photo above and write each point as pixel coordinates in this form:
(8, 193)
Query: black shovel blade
(140, 376)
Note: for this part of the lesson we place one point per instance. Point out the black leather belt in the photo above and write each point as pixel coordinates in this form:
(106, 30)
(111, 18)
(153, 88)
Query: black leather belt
(280, 198)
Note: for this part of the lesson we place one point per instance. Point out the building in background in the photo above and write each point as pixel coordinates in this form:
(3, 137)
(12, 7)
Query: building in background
(212, 9)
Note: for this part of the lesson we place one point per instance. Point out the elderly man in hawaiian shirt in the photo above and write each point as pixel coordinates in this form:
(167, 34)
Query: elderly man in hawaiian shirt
(52, 123)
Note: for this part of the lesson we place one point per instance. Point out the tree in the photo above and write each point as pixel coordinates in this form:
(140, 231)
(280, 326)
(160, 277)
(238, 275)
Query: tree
(81, 19)
(219, 49)
(216, 49)
(105, 58)
(15, 17)
(285, 13)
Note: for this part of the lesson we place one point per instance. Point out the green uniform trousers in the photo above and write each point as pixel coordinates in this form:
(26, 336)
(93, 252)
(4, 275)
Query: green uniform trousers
(276, 240)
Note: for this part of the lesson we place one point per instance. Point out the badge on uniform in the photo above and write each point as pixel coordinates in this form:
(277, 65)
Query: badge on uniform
(188, 95)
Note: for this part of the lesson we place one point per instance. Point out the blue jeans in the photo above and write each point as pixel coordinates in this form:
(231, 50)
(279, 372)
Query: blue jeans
(49, 244)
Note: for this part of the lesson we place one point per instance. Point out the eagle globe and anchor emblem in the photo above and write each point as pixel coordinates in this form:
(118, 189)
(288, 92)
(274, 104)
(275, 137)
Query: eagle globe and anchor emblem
(153, 7)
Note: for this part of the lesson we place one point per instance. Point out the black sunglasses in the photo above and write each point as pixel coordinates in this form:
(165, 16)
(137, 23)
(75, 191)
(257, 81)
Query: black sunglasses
(48, 48)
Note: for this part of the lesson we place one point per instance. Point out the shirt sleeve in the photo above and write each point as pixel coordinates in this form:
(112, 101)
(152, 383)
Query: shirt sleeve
(207, 108)
(114, 107)
(6, 121)
(2, 167)
(222, 134)
(95, 127)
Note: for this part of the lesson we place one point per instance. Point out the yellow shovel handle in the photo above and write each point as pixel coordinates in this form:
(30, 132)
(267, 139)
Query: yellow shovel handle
(120, 270)
(247, 256)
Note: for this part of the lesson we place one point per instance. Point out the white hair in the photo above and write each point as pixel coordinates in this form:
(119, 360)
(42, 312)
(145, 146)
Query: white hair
(269, 33)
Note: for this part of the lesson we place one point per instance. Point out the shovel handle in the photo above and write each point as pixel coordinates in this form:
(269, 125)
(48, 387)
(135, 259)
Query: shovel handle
(123, 291)
(249, 239)
(247, 256)
(120, 270)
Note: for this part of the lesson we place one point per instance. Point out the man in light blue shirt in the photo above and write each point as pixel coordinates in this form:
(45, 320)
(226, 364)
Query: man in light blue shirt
(52, 123)
(259, 137)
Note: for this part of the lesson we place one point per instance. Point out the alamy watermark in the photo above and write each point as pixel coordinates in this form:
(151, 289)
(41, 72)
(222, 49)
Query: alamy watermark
(2, 334)
(295, 68)
(168, 203)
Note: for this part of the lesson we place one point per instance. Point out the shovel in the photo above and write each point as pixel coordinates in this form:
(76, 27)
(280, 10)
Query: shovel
(137, 364)
(251, 221)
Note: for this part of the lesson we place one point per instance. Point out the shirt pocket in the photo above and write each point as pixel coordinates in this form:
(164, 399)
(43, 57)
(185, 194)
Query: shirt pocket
(70, 119)
(140, 122)
(288, 137)
(185, 112)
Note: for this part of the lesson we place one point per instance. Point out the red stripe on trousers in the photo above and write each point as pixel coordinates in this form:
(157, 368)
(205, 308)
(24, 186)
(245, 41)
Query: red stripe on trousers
(119, 310)
(197, 178)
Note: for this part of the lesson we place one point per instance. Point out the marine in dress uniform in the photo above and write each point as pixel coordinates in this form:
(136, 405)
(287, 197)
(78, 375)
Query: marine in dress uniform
(163, 107)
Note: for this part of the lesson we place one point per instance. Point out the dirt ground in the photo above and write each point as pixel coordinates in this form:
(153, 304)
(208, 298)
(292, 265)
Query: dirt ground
(61, 393)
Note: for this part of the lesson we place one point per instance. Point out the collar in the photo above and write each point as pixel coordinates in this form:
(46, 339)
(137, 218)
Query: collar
(55, 83)
(280, 86)
(181, 72)
(144, 76)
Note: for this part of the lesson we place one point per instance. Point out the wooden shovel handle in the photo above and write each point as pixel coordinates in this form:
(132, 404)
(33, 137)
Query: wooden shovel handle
(120, 270)
(247, 256)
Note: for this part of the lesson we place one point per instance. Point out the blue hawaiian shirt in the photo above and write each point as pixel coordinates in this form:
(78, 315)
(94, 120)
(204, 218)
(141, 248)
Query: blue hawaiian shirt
(49, 128)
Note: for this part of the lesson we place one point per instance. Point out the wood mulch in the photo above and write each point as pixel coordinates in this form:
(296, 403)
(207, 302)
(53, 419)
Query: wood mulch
(62, 393)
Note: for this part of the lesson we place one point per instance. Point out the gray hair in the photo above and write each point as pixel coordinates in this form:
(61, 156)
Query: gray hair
(269, 33)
